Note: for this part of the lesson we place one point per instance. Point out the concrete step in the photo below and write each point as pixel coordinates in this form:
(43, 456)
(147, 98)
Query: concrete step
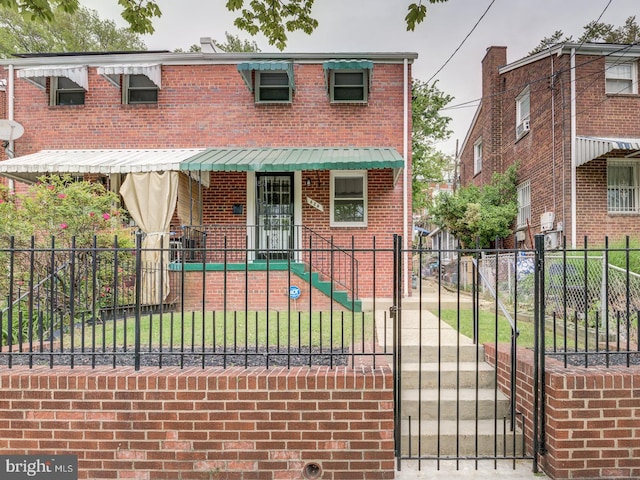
(449, 404)
(466, 352)
(448, 375)
(464, 438)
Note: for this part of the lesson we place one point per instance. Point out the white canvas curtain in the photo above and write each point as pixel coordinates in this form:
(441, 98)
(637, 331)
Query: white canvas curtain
(151, 199)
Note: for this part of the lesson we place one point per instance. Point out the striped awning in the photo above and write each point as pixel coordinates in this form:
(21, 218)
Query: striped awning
(589, 148)
(38, 75)
(152, 71)
(246, 68)
(292, 159)
(29, 168)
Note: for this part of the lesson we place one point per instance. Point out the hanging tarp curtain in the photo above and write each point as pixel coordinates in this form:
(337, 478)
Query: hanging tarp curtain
(151, 200)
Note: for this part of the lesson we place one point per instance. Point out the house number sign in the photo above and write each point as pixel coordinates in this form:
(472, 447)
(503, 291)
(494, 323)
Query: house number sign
(315, 204)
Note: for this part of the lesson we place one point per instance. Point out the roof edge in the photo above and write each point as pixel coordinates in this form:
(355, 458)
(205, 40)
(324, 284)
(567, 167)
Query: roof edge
(169, 58)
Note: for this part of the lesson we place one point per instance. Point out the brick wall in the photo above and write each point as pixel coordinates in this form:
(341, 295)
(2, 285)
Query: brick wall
(232, 424)
(544, 153)
(592, 416)
(218, 288)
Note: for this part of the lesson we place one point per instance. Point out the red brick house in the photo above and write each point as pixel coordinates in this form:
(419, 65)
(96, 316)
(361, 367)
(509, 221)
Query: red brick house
(276, 150)
(571, 116)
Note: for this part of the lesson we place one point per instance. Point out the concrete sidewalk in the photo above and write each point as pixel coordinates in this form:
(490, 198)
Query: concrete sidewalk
(429, 334)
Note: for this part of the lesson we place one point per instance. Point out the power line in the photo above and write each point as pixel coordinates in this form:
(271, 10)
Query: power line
(462, 43)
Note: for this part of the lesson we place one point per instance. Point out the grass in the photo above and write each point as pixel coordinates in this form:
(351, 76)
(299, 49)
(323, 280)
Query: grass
(195, 329)
(487, 330)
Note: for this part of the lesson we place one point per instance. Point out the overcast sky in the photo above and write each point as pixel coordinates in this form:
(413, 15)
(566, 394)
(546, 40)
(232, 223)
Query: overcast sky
(378, 26)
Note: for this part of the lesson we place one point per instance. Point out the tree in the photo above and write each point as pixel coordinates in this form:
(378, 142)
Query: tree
(479, 214)
(428, 127)
(272, 18)
(596, 32)
(81, 31)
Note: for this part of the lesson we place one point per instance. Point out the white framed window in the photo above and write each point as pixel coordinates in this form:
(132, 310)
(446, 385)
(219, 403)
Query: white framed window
(523, 110)
(138, 89)
(349, 198)
(524, 204)
(477, 156)
(66, 92)
(622, 187)
(621, 76)
(272, 87)
(349, 86)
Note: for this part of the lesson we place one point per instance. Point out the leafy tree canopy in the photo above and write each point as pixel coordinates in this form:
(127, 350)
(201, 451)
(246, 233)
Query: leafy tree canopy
(596, 32)
(80, 31)
(428, 126)
(479, 214)
(273, 18)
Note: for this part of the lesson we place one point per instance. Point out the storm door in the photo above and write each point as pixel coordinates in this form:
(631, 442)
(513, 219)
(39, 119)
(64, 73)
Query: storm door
(274, 215)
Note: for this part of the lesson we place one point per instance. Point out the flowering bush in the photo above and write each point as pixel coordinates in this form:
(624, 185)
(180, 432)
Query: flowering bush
(64, 213)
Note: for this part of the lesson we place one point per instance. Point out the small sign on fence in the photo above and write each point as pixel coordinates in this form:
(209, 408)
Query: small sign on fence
(294, 292)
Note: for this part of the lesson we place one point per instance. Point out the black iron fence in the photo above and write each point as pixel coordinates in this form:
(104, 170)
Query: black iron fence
(66, 305)
(276, 240)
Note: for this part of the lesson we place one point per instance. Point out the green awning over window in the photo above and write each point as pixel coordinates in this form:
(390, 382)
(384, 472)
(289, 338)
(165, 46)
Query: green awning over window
(246, 69)
(348, 65)
(345, 64)
(292, 159)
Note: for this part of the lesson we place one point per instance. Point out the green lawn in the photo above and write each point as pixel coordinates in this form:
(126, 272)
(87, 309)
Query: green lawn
(487, 328)
(234, 328)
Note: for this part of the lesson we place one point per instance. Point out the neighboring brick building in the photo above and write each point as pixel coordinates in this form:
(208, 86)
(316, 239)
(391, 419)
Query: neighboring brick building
(571, 117)
(319, 141)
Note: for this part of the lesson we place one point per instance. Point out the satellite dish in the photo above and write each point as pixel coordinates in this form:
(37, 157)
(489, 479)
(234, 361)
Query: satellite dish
(10, 130)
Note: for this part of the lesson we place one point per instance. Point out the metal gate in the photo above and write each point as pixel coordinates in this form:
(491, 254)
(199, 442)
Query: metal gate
(455, 406)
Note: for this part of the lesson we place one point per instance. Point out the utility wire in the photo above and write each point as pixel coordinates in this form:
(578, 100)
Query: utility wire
(462, 43)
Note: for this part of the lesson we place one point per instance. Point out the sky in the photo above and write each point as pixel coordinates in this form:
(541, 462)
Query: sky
(450, 43)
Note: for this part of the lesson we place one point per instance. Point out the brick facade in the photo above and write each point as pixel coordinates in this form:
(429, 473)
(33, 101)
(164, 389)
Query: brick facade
(205, 103)
(544, 153)
(592, 415)
(236, 424)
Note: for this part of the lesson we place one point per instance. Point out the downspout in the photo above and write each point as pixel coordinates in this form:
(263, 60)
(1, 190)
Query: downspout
(10, 114)
(573, 149)
(405, 179)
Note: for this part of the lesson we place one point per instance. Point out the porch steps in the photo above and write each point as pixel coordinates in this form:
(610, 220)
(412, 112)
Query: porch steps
(450, 406)
(459, 438)
(324, 286)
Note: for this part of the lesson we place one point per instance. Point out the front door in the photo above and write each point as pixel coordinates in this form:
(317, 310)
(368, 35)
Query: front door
(274, 215)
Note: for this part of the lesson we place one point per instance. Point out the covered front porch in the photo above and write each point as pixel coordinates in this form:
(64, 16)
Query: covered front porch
(310, 212)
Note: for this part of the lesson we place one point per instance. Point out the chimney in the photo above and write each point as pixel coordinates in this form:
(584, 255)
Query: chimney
(206, 43)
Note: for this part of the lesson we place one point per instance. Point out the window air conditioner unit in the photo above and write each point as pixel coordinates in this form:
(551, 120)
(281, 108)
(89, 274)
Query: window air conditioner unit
(522, 128)
(551, 240)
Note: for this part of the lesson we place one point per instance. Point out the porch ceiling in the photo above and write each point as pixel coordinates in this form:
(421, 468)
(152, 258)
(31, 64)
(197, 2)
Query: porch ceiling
(28, 168)
(292, 159)
(589, 148)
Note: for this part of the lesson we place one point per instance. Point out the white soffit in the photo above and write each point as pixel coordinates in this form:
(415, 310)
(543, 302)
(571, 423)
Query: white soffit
(28, 168)
(75, 73)
(150, 70)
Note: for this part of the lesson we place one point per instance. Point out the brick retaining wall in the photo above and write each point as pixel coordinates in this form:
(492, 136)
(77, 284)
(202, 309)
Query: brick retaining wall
(203, 423)
(592, 416)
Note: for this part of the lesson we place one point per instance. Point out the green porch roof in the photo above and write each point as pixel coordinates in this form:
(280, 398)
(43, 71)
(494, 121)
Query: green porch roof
(292, 159)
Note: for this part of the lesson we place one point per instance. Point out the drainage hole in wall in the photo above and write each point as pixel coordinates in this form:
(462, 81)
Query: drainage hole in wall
(311, 471)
